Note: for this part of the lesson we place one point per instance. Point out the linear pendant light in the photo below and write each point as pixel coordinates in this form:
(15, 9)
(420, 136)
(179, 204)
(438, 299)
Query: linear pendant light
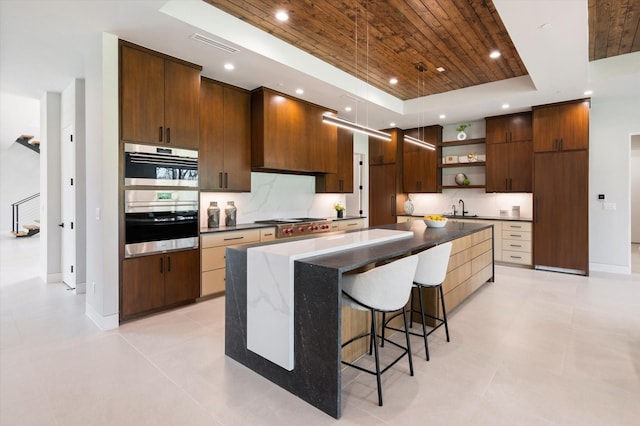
(330, 119)
(418, 142)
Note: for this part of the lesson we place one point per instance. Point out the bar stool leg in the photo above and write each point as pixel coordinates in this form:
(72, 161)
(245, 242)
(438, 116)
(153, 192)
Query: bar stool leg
(384, 322)
(406, 333)
(444, 313)
(424, 329)
(375, 349)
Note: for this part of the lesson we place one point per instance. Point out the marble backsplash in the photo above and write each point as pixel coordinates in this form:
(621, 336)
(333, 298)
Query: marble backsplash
(274, 195)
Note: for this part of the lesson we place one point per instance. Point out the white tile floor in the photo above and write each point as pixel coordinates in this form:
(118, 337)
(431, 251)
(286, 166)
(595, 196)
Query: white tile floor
(533, 348)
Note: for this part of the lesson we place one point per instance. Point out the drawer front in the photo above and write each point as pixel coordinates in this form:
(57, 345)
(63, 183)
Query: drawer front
(516, 257)
(267, 234)
(517, 226)
(350, 224)
(212, 282)
(334, 226)
(215, 239)
(516, 235)
(213, 258)
(517, 245)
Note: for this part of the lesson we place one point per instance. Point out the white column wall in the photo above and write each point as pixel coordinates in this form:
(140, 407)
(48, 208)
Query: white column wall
(635, 189)
(50, 235)
(102, 182)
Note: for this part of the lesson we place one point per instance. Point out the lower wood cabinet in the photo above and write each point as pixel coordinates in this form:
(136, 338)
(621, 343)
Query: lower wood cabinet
(213, 252)
(150, 283)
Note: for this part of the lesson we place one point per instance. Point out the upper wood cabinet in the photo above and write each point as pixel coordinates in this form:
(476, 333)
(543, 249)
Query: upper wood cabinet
(341, 182)
(288, 135)
(509, 128)
(561, 127)
(159, 98)
(509, 167)
(225, 138)
(420, 171)
(509, 153)
(382, 152)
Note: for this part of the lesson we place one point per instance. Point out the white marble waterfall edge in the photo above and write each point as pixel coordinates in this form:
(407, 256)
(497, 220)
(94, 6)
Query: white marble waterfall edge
(270, 287)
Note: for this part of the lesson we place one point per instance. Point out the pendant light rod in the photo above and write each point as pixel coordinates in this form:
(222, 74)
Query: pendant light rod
(330, 119)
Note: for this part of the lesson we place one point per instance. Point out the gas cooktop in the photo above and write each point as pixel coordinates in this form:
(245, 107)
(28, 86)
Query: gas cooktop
(296, 226)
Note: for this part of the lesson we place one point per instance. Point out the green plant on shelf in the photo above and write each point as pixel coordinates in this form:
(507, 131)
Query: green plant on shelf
(461, 127)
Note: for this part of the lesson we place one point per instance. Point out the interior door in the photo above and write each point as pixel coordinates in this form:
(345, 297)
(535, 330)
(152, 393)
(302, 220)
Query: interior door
(68, 208)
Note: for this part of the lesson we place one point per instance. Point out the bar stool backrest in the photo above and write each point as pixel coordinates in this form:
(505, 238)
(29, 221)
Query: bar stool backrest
(384, 288)
(432, 265)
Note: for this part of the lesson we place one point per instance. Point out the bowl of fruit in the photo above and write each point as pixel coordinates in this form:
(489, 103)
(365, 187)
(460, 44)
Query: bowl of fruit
(435, 221)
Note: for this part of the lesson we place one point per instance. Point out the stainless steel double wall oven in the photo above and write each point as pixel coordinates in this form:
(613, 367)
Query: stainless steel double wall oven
(163, 218)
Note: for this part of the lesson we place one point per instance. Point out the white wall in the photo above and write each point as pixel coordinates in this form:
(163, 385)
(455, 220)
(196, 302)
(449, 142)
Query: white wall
(102, 182)
(612, 122)
(50, 235)
(635, 189)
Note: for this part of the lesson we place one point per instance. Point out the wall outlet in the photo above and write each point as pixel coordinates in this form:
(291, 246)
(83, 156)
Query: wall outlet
(609, 206)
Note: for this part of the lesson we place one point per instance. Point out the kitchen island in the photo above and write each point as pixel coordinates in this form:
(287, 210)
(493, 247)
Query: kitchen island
(317, 312)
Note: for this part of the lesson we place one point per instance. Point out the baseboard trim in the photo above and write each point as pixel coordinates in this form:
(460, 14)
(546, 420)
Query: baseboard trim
(614, 269)
(54, 278)
(109, 322)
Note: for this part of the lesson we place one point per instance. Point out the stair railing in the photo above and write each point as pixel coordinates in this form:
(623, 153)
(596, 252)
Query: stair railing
(28, 204)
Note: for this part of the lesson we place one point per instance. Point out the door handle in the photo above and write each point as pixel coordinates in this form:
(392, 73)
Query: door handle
(61, 225)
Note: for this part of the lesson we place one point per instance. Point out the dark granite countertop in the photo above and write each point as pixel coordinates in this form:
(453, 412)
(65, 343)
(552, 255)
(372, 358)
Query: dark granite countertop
(476, 217)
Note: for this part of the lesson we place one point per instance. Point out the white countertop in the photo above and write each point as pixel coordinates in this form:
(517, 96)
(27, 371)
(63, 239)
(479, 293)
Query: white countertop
(270, 287)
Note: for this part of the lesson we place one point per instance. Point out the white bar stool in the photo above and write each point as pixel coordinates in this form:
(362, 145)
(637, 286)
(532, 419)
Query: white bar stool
(383, 289)
(430, 273)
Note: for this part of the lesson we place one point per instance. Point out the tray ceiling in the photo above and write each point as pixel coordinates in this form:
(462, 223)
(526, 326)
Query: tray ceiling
(393, 37)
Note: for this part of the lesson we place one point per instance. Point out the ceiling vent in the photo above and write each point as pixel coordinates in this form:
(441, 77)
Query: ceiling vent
(214, 43)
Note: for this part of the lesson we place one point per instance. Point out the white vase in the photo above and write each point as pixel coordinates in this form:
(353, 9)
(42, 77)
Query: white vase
(462, 136)
(408, 207)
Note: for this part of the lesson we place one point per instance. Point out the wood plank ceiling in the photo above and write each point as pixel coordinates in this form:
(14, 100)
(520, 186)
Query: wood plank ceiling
(457, 35)
(614, 28)
(376, 40)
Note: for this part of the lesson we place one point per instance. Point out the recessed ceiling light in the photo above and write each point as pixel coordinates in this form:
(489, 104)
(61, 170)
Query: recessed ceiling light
(442, 116)
(348, 109)
(505, 106)
(282, 16)
(229, 67)
(440, 69)
(392, 124)
(588, 92)
(299, 91)
(393, 80)
(495, 54)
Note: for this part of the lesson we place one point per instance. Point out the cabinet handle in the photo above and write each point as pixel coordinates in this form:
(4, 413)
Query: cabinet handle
(169, 264)
(515, 226)
(233, 238)
(506, 183)
(226, 180)
(561, 144)
(160, 134)
(536, 201)
(220, 179)
(515, 245)
(168, 135)
(510, 184)
(515, 236)
(515, 257)
(393, 205)
(162, 265)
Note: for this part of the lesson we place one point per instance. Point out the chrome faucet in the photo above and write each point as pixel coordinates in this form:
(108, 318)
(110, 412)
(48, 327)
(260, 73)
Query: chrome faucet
(463, 211)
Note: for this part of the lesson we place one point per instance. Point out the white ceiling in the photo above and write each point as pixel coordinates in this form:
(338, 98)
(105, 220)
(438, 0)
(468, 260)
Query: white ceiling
(43, 44)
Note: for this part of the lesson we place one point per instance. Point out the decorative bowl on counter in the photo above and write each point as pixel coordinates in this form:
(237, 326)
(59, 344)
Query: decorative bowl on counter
(435, 221)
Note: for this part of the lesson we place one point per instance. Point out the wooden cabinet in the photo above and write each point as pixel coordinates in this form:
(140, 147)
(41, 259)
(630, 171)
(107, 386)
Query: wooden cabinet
(420, 171)
(288, 135)
(509, 167)
(342, 181)
(159, 98)
(150, 283)
(509, 153)
(561, 127)
(561, 220)
(225, 138)
(382, 152)
(213, 252)
(509, 128)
